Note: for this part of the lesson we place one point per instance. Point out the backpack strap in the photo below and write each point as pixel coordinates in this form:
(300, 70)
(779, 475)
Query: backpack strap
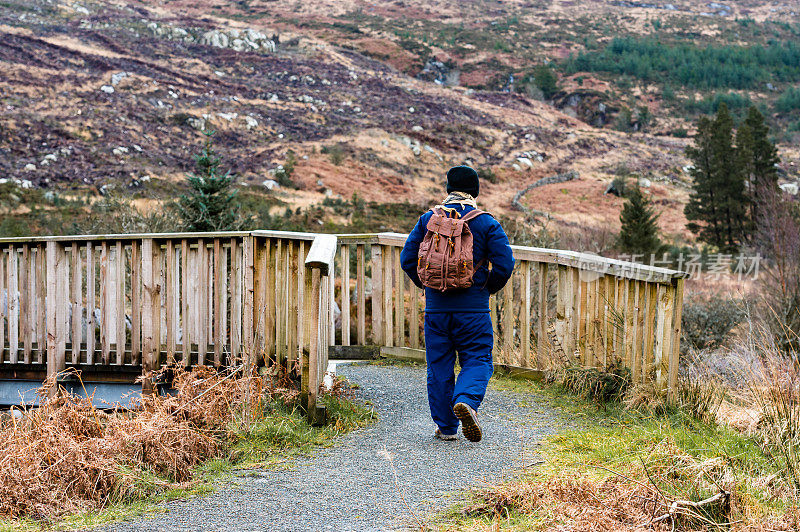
(474, 213)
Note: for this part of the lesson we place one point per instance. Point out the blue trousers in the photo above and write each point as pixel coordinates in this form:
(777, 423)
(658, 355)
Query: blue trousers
(470, 334)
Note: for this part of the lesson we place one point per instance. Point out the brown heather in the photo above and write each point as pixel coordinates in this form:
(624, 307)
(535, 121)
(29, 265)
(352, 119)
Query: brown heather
(67, 456)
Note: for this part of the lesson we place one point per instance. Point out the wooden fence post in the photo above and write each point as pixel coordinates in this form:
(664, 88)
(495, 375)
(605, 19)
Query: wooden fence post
(675, 353)
(56, 315)
(345, 294)
(360, 287)
(149, 314)
(377, 294)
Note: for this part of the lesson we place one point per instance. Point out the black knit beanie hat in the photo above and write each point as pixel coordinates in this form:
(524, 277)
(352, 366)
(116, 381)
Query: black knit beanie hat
(463, 179)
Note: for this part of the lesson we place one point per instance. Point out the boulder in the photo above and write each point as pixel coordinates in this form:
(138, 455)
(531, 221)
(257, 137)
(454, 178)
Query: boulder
(250, 122)
(108, 89)
(30, 167)
(790, 188)
(271, 184)
(116, 78)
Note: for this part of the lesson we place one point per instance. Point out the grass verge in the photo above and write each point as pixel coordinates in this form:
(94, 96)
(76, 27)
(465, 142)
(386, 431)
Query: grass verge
(622, 468)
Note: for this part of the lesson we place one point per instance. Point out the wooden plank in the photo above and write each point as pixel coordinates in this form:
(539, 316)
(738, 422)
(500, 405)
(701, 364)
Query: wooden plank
(105, 339)
(403, 353)
(388, 277)
(136, 301)
(573, 303)
(222, 333)
(41, 295)
(399, 301)
(285, 303)
(630, 320)
(186, 311)
(619, 320)
(62, 302)
(675, 352)
(261, 265)
(638, 331)
(414, 317)
(542, 342)
(583, 312)
(236, 280)
(525, 327)
(561, 305)
(493, 316)
(377, 295)
(3, 308)
(171, 280)
(248, 267)
(302, 326)
(76, 299)
(664, 332)
(149, 313)
(158, 288)
(591, 355)
(508, 318)
(202, 301)
(274, 300)
(293, 290)
(282, 304)
(312, 381)
(345, 268)
(601, 339)
(12, 302)
(218, 276)
(56, 360)
(91, 302)
(25, 319)
(119, 301)
(649, 331)
(35, 277)
(361, 304)
(330, 315)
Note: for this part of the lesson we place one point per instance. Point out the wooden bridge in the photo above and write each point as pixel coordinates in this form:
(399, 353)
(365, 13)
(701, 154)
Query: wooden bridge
(115, 306)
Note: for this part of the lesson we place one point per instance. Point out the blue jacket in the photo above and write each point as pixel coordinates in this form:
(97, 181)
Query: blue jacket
(489, 242)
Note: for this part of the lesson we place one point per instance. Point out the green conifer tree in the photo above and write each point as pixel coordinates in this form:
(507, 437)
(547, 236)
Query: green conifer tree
(639, 232)
(717, 205)
(757, 157)
(211, 204)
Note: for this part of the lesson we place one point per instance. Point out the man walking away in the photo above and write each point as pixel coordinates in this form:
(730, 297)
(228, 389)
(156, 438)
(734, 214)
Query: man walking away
(448, 253)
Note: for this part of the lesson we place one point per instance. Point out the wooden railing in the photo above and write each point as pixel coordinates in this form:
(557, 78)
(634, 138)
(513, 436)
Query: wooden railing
(137, 302)
(560, 308)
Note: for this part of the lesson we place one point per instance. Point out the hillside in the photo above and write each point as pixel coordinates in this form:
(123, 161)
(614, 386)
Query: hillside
(103, 98)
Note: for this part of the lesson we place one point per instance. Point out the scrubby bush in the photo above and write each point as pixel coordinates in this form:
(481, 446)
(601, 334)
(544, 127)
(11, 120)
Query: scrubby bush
(283, 174)
(335, 153)
(487, 174)
(601, 385)
(708, 321)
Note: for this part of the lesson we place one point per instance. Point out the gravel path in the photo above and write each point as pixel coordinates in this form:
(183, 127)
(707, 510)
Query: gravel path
(382, 477)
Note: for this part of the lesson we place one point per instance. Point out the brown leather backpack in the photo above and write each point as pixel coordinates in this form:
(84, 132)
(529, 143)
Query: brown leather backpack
(445, 254)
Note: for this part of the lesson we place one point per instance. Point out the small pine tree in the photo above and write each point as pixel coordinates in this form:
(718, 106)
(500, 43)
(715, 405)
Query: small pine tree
(211, 204)
(639, 232)
(546, 81)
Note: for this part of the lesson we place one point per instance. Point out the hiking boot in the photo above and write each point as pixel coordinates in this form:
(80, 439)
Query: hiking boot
(446, 437)
(469, 421)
